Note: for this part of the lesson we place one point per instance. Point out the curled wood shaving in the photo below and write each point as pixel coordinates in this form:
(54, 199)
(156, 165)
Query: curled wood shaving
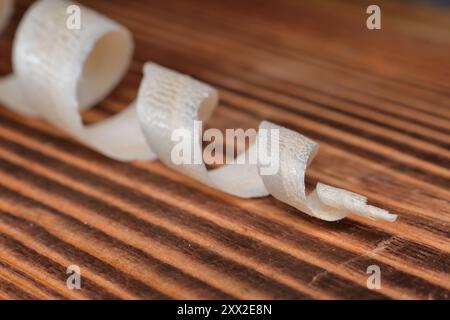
(170, 101)
(59, 71)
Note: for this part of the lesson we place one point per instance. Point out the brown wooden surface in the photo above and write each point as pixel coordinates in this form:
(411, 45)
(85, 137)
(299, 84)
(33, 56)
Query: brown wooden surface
(377, 101)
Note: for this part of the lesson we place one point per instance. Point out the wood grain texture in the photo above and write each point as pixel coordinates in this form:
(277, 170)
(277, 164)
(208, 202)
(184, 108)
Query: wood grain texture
(377, 101)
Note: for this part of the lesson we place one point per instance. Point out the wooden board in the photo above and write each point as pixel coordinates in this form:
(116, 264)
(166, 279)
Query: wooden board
(377, 101)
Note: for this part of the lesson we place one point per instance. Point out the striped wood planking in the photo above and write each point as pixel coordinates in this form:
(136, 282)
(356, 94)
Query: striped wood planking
(377, 101)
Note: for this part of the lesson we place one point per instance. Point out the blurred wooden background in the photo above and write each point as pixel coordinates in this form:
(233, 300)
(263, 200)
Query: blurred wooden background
(377, 101)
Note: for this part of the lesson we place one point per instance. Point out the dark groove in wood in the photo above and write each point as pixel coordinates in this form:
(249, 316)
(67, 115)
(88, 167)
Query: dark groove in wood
(56, 270)
(361, 150)
(360, 117)
(139, 174)
(21, 274)
(146, 203)
(245, 275)
(15, 291)
(74, 148)
(164, 269)
(245, 245)
(422, 154)
(80, 257)
(366, 153)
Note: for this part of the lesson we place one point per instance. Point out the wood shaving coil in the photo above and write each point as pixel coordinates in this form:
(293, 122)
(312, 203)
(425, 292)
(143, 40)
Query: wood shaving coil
(59, 71)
